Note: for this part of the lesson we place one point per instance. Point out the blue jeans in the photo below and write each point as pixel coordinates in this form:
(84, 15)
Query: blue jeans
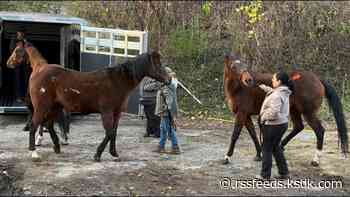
(166, 131)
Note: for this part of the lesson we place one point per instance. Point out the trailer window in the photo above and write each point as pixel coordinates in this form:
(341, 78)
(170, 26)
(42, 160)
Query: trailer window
(119, 51)
(90, 47)
(89, 34)
(119, 37)
(133, 39)
(104, 49)
(104, 35)
(133, 52)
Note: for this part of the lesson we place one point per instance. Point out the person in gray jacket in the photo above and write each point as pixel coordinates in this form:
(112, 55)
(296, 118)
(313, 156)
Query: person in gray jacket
(274, 116)
(167, 109)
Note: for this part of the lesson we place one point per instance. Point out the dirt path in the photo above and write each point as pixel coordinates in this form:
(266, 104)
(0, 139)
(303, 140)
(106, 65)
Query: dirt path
(140, 171)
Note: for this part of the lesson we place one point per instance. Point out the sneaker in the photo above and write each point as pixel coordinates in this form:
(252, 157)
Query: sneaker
(160, 150)
(175, 150)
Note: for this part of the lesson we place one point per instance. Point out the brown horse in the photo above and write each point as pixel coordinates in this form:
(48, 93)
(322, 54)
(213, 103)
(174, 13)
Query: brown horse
(243, 102)
(305, 101)
(26, 52)
(104, 91)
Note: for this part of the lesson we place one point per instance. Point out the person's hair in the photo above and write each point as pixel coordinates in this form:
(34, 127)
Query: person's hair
(284, 78)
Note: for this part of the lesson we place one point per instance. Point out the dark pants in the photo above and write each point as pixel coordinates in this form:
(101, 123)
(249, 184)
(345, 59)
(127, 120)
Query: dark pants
(272, 135)
(153, 121)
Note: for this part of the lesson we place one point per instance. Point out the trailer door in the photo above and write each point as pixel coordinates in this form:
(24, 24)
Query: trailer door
(70, 47)
(104, 47)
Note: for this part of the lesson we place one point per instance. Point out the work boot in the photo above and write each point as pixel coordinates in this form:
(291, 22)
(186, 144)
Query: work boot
(160, 150)
(175, 150)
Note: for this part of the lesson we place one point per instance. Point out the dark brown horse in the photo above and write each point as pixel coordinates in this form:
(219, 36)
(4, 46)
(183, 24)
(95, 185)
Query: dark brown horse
(105, 91)
(245, 99)
(26, 52)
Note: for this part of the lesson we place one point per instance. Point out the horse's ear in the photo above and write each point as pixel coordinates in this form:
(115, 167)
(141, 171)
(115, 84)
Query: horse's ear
(155, 54)
(227, 59)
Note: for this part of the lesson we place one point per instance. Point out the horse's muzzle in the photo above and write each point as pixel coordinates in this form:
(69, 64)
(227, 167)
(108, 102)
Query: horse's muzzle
(250, 82)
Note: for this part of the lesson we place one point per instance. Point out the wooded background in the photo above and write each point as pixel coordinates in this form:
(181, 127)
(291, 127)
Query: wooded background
(193, 37)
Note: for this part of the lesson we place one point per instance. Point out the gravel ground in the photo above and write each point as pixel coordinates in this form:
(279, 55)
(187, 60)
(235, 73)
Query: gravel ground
(140, 171)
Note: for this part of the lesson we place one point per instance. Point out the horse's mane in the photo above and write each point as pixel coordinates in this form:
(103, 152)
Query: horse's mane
(132, 68)
(35, 52)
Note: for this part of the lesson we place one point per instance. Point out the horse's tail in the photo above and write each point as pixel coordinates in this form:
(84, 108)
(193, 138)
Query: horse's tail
(337, 108)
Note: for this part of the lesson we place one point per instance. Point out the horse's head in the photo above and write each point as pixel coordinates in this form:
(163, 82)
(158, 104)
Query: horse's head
(18, 56)
(236, 69)
(156, 70)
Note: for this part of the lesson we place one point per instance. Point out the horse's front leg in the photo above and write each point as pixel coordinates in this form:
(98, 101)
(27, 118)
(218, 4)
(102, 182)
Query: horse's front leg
(112, 143)
(30, 112)
(239, 123)
(33, 128)
(28, 122)
(107, 120)
(250, 127)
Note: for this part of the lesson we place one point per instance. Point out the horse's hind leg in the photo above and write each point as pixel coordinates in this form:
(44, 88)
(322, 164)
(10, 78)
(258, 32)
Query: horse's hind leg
(40, 136)
(107, 119)
(239, 123)
(63, 121)
(250, 127)
(298, 126)
(112, 143)
(319, 130)
(54, 137)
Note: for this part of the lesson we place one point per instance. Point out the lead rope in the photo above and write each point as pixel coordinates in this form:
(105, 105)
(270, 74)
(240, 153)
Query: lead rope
(261, 130)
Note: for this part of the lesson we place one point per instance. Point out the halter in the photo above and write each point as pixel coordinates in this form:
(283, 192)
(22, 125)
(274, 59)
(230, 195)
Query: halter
(242, 71)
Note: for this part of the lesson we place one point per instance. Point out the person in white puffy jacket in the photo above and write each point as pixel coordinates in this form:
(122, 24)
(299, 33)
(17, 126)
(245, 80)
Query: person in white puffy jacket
(274, 116)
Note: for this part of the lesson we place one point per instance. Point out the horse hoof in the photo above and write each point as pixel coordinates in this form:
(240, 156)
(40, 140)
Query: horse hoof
(35, 156)
(36, 159)
(97, 158)
(226, 161)
(257, 158)
(64, 143)
(57, 150)
(26, 128)
(114, 153)
(315, 164)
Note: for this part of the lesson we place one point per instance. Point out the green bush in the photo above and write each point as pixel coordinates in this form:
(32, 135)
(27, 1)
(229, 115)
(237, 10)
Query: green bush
(200, 67)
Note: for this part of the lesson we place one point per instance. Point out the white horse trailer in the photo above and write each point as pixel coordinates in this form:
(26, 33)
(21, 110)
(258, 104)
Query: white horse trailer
(70, 42)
